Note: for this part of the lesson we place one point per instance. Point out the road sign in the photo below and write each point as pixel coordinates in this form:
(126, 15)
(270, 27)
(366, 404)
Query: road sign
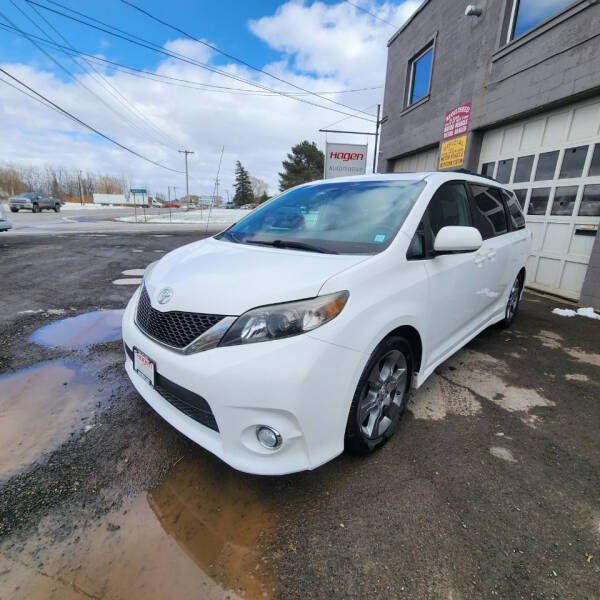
(342, 160)
(138, 191)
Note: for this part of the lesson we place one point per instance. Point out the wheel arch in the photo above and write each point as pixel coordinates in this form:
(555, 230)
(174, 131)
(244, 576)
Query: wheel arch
(414, 339)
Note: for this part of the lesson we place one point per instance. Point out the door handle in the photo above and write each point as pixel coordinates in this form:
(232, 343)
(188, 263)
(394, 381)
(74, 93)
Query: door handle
(479, 259)
(491, 254)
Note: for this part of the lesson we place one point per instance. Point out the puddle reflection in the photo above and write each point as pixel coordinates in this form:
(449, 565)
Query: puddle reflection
(81, 331)
(39, 407)
(202, 533)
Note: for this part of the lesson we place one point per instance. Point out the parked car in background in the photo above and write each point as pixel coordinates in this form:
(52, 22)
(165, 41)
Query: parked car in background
(154, 203)
(280, 342)
(5, 224)
(172, 205)
(34, 202)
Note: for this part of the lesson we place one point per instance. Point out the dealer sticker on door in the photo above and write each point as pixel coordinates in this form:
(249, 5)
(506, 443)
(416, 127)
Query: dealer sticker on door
(144, 366)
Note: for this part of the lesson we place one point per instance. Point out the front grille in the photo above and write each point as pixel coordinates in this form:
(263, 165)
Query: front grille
(190, 404)
(174, 328)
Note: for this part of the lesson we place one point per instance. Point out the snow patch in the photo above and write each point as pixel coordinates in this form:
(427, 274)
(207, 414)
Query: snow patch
(503, 453)
(582, 312)
(133, 272)
(586, 357)
(75, 206)
(564, 312)
(217, 216)
(132, 281)
(576, 377)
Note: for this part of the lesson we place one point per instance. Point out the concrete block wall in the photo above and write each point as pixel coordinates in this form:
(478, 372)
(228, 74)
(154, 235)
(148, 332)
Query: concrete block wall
(548, 66)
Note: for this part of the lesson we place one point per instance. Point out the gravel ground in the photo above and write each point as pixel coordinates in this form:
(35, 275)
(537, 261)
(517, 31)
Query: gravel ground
(490, 488)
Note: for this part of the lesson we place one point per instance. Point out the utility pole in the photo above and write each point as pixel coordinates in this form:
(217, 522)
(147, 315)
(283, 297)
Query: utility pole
(80, 188)
(376, 138)
(175, 192)
(187, 184)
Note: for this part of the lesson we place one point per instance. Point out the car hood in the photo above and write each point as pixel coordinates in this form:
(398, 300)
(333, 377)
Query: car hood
(225, 278)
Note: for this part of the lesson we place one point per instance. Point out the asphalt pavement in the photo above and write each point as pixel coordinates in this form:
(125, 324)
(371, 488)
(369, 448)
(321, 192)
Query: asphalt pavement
(489, 489)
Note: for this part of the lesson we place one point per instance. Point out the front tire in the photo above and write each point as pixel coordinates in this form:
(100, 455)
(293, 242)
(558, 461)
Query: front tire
(36, 208)
(15, 210)
(57, 208)
(381, 396)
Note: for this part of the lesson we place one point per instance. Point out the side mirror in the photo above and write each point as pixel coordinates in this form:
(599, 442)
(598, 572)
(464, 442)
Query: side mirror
(457, 239)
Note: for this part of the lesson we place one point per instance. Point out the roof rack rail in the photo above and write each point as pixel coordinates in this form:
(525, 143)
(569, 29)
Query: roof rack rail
(469, 172)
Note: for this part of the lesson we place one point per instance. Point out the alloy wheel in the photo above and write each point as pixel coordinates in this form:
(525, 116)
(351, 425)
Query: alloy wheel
(513, 300)
(382, 395)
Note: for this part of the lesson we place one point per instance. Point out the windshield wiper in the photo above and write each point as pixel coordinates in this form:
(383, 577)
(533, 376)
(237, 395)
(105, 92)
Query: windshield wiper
(291, 244)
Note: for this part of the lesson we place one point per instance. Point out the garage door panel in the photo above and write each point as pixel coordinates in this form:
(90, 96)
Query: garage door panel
(548, 271)
(581, 245)
(573, 276)
(557, 238)
(538, 230)
(553, 162)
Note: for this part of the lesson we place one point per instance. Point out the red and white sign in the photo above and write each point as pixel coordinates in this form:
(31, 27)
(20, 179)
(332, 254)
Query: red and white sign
(457, 121)
(342, 160)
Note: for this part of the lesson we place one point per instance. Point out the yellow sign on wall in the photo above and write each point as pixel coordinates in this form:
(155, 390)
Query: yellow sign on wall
(452, 153)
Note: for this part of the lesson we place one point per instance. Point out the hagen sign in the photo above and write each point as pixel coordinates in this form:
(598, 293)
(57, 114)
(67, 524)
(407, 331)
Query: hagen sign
(457, 121)
(342, 160)
(452, 153)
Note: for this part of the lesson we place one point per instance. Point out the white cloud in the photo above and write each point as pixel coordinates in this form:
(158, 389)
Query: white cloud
(323, 47)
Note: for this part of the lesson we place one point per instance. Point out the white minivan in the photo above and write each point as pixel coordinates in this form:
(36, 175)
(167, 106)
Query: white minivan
(298, 332)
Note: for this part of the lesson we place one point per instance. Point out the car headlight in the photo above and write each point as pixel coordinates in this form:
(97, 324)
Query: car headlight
(284, 320)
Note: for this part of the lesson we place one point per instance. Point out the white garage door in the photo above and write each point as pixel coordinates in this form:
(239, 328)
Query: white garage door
(420, 161)
(552, 161)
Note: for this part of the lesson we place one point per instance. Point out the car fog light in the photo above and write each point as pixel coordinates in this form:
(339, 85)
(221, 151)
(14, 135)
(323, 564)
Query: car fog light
(268, 437)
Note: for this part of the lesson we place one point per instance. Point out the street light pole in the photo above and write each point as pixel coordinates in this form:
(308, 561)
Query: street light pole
(376, 138)
(187, 184)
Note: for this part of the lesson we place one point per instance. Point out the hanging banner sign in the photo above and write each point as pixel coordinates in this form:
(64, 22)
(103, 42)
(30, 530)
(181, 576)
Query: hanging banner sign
(342, 160)
(452, 153)
(457, 121)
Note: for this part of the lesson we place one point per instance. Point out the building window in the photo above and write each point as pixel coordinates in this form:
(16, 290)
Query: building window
(538, 201)
(487, 169)
(420, 75)
(590, 203)
(564, 201)
(528, 14)
(504, 169)
(546, 166)
(523, 170)
(572, 165)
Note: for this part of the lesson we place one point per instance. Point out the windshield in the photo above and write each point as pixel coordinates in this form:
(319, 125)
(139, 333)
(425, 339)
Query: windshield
(359, 217)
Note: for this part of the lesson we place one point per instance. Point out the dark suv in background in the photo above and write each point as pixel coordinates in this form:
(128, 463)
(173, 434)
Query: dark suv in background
(33, 202)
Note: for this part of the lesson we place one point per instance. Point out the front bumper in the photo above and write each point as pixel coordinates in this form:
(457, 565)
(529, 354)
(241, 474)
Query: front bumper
(301, 386)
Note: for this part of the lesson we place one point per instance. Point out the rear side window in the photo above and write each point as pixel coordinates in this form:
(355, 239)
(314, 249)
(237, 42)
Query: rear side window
(488, 210)
(515, 214)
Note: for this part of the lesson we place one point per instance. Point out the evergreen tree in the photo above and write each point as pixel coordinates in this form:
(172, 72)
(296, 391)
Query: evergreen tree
(243, 186)
(305, 163)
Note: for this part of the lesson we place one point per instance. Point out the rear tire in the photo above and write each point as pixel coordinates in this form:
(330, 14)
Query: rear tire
(381, 396)
(512, 304)
(14, 210)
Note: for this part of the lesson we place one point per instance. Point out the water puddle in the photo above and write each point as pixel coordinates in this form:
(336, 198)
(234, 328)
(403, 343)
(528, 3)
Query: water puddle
(81, 331)
(39, 407)
(200, 534)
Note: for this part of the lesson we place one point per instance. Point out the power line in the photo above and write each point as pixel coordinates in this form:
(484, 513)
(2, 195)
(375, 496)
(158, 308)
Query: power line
(103, 81)
(370, 13)
(67, 71)
(232, 57)
(71, 116)
(175, 81)
(183, 58)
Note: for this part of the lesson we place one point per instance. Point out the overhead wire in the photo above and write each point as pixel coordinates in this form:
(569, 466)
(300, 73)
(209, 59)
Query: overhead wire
(71, 75)
(150, 45)
(106, 84)
(233, 57)
(50, 104)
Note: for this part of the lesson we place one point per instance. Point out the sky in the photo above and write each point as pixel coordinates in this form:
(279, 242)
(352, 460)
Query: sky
(323, 47)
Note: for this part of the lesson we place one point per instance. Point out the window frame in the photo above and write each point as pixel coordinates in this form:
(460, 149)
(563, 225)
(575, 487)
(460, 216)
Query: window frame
(430, 46)
(514, 13)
